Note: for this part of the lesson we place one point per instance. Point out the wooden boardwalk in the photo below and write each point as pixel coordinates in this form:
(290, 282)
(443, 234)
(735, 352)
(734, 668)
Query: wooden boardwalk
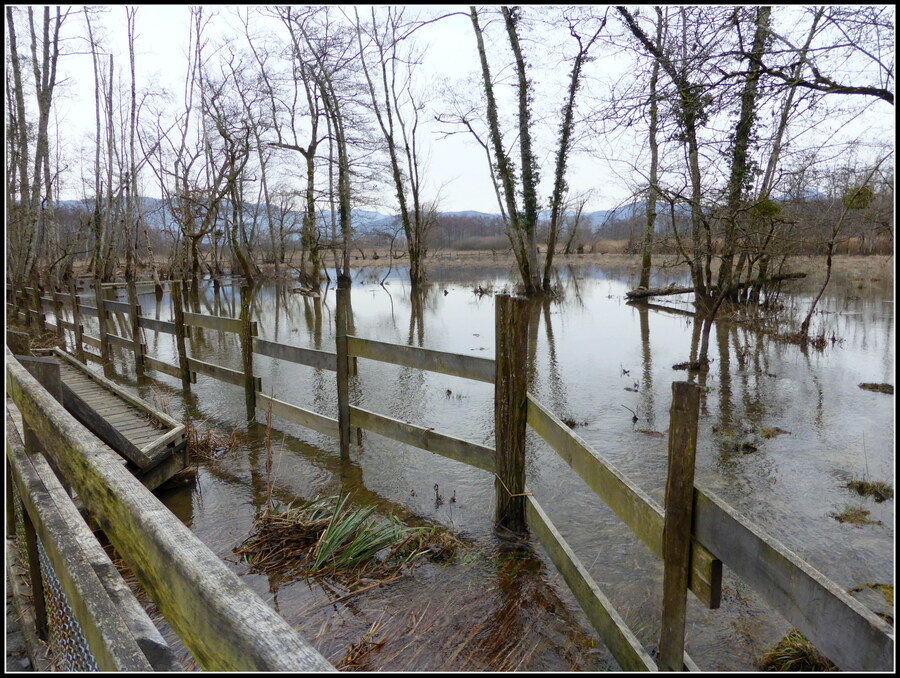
(153, 445)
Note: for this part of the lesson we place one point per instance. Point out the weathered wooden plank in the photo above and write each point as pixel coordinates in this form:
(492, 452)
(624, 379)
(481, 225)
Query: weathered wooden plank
(141, 405)
(467, 452)
(116, 340)
(303, 356)
(221, 621)
(156, 325)
(608, 623)
(162, 366)
(215, 322)
(108, 433)
(218, 372)
(117, 306)
(90, 340)
(454, 364)
(683, 417)
(631, 504)
(87, 310)
(173, 463)
(298, 415)
(113, 647)
(843, 629)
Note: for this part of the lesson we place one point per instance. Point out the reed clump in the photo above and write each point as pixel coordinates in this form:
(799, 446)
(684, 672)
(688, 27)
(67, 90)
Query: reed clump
(326, 536)
(880, 491)
(855, 515)
(205, 444)
(795, 653)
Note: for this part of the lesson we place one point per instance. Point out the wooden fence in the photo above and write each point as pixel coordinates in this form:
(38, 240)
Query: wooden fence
(694, 536)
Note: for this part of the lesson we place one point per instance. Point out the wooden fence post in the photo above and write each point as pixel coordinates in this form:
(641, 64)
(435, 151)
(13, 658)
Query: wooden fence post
(247, 354)
(40, 323)
(178, 310)
(10, 503)
(101, 319)
(46, 371)
(510, 410)
(34, 577)
(76, 321)
(343, 366)
(19, 342)
(683, 418)
(134, 317)
(58, 312)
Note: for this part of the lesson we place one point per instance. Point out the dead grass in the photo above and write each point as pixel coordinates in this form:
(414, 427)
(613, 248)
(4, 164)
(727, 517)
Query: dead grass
(327, 537)
(205, 444)
(878, 490)
(795, 653)
(855, 515)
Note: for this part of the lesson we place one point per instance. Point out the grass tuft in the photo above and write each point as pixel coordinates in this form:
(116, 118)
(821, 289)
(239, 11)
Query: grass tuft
(878, 490)
(856, 515)
(327, 537)
(207, 445)
(795, 653)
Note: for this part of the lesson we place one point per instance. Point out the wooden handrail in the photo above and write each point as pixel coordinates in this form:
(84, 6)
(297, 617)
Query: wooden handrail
(224, 624)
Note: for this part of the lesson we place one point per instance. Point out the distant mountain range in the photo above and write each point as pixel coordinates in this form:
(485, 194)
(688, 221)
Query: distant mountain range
(368, 221)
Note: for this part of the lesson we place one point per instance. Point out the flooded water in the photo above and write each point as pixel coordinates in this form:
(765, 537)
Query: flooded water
(593, 360)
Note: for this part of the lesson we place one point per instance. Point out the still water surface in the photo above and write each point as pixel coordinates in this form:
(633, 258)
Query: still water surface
(593, 360)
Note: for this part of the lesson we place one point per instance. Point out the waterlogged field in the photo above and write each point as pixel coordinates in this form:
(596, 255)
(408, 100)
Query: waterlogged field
(783, 430)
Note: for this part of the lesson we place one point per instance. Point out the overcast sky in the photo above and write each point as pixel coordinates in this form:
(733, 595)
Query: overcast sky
(457, 165)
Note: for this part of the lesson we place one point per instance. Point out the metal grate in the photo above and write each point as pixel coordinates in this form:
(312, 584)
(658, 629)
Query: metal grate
(67, 643)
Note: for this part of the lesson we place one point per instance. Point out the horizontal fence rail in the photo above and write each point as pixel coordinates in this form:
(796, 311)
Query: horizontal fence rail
(454, 364)
(845, 630)
(631, 504)
(224, 624)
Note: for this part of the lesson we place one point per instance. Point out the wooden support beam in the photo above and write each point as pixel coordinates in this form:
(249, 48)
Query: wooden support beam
(102, 320)
(134, 320)
(343, 366)
(683, 418)
(510, 410)
(247, 332)
(58, 314)
(179, 337)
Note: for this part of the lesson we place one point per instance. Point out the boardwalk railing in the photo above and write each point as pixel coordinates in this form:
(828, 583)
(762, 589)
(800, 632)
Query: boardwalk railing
(223, 623)
(695, 534)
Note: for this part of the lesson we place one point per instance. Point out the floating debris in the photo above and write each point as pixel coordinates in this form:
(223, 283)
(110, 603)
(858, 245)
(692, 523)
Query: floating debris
(880, 388)
(773, 432)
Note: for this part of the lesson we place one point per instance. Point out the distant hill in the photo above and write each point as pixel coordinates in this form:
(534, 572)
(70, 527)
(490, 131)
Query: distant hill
(369, 221)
